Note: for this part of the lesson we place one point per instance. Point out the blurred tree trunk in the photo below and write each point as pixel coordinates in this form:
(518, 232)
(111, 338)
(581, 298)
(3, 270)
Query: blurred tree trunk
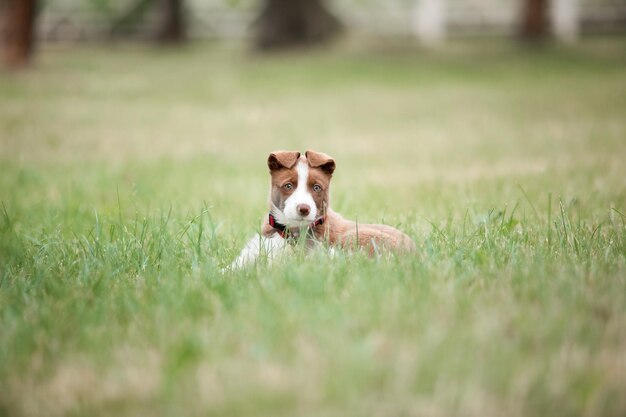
(18, 31)
(124, 24)
(292, 23)
(173, 25)
(534, 20)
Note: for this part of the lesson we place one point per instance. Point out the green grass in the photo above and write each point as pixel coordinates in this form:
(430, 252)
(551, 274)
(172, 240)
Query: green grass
(130, 176)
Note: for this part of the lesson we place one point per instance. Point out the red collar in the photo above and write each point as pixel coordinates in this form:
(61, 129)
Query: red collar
(285, 232)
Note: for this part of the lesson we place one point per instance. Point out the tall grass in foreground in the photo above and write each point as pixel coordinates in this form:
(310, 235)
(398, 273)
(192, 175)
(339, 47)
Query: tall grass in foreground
(524, 309)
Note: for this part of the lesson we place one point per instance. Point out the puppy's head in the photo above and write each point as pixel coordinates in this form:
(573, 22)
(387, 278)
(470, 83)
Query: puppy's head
(300, 185)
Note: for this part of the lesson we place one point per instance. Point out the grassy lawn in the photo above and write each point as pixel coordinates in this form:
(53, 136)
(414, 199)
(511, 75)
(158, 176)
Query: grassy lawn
(129, 176)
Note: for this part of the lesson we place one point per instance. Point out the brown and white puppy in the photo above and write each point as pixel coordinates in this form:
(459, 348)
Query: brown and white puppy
(300, 203)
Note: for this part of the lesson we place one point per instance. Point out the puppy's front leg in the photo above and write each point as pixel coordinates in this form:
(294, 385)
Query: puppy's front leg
(259, 245)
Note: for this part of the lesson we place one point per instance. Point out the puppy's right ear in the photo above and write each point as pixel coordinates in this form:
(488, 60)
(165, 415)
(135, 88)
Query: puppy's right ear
(282, 159)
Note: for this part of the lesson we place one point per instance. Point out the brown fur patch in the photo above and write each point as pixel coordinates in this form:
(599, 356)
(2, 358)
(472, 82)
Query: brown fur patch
(280, 178)
(321, 198)
(373, 238)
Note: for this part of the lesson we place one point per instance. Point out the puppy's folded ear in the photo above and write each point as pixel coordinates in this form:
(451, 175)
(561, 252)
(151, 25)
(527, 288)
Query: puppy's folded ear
(320, 160)
(282, 159)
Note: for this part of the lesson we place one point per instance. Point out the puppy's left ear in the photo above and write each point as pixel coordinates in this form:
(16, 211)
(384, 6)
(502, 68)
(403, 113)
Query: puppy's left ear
(320, 160)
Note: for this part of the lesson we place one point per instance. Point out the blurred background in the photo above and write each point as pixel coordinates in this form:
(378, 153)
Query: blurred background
(430, 90)
(271, 24)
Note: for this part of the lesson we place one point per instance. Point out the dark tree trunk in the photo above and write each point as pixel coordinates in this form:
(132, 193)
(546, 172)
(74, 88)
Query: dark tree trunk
(173, 24)
(294, 23)
(534, 20)
(18, 27)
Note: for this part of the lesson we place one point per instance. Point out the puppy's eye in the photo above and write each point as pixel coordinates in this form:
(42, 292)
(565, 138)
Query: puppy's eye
(317, 188)
(288, 186)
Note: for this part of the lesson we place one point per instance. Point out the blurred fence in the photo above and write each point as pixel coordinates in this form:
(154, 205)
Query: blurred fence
(80, 20)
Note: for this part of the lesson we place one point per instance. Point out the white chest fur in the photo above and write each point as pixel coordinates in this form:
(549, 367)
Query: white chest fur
(260, 247)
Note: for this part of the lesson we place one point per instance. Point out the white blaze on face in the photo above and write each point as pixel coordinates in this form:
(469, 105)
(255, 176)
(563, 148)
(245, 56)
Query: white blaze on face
(300, 196)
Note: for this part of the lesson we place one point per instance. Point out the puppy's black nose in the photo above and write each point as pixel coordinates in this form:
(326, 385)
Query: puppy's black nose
(303, 209)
